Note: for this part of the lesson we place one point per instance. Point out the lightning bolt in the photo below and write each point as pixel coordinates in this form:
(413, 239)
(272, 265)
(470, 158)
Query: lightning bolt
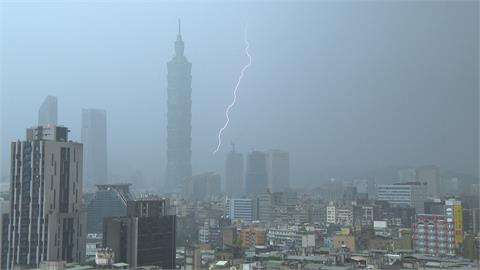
(235, 91)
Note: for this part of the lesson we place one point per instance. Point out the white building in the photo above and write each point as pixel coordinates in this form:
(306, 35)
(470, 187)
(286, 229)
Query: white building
(404, 194)
(239, 209)
(331, 213)
(300, 236)
(344, 216)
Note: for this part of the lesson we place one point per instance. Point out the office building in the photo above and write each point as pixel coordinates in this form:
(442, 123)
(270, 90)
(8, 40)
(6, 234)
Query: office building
(4, 221)
(179, 116)
(94, 139)
(256, 175)
(404, 194)
(46, 223)
(265, 207)
(239, 209)
(278, 170)
(202, 186)
(429, 175)
(108, 201)
(47, 114)
(145, 237)
(234, 175)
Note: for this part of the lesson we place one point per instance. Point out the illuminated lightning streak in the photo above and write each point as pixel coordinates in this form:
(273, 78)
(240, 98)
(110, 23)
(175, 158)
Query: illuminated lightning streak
(235, 91)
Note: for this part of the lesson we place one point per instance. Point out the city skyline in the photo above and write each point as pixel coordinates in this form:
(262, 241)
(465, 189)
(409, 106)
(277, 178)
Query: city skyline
(354, 135)
(339, 114)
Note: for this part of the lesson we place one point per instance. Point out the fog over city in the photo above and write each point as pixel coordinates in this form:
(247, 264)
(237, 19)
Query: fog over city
(358, 86)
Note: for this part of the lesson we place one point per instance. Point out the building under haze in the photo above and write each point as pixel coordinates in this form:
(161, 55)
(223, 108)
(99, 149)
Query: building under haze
(278, 170)
(429, 175)
(202, 186)
(108, 201)
(179, 116)
(94, 139)
(256, 175)
(46, 190)
(413, 194)
(47, 114)
(239, 209)
(234, 175)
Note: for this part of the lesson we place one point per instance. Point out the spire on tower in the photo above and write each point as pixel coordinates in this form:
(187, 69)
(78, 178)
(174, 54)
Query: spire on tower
(179, 27)
(179, 47)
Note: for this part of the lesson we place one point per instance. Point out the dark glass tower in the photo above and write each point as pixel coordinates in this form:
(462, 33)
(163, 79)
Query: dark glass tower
(179, 117)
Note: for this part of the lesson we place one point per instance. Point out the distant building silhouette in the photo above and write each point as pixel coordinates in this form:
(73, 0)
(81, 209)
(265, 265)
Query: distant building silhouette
(179, 118)
(94, 139)
(47, 114)
(429, 175)
(256, 176)
(202, 186)
(46, 190)
(278, 170)
(234, 175)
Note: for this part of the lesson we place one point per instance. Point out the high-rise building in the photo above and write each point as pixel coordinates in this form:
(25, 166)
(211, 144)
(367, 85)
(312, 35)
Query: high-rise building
(429, 175)
(404, 194)
(179, 116)
(108, 201)
(94, 139)
(239, 209)
(145, 237)
(278, 170)
(202, 186)
(256, 176)
(47, 114)
(234, 175)
(265, 207)
(4, 221)
(46, 223)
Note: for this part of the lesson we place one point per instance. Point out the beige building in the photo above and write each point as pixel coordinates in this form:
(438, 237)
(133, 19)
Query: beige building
(344, 239)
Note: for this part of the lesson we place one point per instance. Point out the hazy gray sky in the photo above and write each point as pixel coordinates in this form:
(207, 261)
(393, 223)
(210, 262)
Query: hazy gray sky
(354, 84)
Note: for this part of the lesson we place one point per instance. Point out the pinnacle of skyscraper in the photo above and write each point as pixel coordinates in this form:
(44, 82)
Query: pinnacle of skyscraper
(179, 116)
(179, 45)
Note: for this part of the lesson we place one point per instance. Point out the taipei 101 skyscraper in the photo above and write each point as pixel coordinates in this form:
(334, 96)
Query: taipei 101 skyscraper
(179, 117)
